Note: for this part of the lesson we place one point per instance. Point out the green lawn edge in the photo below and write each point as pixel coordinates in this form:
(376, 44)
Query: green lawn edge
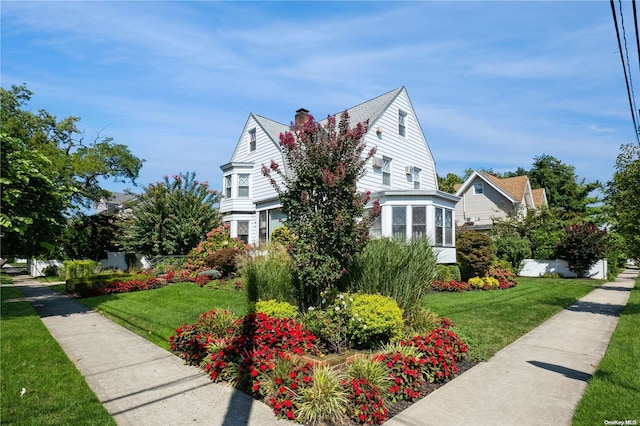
(31, 359)
(613, 393)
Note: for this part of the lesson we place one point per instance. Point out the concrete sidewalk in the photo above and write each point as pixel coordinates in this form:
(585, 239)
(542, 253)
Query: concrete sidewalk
(537, 380)
(138, 382)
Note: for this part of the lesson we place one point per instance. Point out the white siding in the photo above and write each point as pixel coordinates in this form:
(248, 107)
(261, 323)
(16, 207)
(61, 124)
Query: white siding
(408, 150)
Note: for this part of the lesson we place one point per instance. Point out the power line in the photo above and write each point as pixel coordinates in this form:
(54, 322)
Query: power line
(635, 23)
(624, 68)
(626, 53)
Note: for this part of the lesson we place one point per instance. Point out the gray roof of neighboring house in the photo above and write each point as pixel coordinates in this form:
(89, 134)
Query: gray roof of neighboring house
(120, 198)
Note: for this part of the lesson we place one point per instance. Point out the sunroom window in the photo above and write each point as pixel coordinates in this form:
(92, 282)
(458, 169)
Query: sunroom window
(243, 185)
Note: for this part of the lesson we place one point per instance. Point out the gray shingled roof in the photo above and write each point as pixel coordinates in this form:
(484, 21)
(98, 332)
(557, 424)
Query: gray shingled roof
(119, 198)
(272, 128)
(369, 110)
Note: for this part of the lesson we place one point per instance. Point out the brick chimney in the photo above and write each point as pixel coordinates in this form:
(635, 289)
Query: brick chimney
(301, 116)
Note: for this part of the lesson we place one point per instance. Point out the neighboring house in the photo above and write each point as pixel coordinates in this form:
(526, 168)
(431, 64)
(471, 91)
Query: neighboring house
(114, 204)
(401, 176)
(485, 197)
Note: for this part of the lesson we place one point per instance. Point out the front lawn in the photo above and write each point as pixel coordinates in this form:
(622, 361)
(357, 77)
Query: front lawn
(490, 320)
(155, 314)
(55, 393)
(613, 392)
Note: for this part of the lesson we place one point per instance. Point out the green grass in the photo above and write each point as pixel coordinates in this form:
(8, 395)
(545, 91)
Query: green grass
(56, 393)
(490, 320)
(54, 279)
(155, 314)
(5, 278)
(8, 292)
(613, 392)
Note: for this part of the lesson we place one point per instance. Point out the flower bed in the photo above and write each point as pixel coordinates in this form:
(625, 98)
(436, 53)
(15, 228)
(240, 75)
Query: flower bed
(263, 356)
(98, 288)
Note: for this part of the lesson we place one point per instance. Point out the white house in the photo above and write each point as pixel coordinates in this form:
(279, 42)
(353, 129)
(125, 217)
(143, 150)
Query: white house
(402, 176)
(485, 197)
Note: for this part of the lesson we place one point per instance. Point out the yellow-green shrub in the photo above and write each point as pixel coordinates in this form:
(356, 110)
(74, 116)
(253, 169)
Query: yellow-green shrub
(276, 309)
(373, 318)
(491, 282)
(476, 282)
(79, 268)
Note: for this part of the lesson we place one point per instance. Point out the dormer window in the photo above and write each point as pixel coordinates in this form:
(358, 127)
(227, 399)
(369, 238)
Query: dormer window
(402, 116)
(252, 140)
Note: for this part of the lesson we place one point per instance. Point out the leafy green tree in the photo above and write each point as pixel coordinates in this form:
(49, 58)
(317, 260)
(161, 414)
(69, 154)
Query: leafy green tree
(622, 200)
(582, 245)
(509, 245)
(90, 237)
(320, 198)
(49, 169)
(564, 191)
(170, 217)
(448, 183)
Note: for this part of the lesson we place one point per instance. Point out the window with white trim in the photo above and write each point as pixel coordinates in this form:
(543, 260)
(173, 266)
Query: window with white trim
(418, 222)
(478, 188)
(243, 185)
(243, 231)
(416, 178)
(444, 227)
(375, 230)
(448, 227)
(439, 226)
(262, 226)
(252, 140)
(402, 118)
(399, 222)
(386, 171)
(227, 186)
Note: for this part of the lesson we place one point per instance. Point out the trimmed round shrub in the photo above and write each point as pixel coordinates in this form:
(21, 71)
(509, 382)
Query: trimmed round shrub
(455, 272)
(275, 309)
(373, 318)
(282, 235)
(443, 273)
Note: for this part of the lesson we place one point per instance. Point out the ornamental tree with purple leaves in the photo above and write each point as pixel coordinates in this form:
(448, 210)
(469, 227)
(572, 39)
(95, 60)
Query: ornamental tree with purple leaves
(582, 245)
(319, 195)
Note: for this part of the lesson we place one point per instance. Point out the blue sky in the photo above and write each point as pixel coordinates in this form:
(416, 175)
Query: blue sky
(493, 83)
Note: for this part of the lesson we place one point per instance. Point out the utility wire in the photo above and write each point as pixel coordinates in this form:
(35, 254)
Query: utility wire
(624, 68)
(635, 22)
(626, 53)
